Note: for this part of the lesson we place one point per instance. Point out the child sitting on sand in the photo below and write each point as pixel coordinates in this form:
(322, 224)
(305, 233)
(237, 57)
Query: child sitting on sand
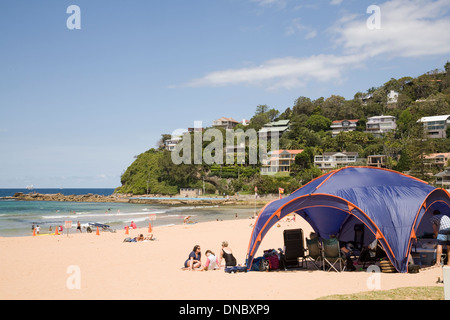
(211, 261)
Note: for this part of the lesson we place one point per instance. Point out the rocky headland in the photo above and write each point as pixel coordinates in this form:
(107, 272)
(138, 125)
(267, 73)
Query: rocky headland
(127, 198)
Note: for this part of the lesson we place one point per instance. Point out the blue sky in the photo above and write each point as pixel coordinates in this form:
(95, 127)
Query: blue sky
(78, 105)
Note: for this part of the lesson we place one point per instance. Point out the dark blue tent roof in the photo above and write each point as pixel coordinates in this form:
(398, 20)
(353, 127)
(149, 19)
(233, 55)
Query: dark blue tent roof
(390, 204)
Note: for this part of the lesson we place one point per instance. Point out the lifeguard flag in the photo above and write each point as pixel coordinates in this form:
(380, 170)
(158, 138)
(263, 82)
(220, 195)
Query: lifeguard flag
(280, 190)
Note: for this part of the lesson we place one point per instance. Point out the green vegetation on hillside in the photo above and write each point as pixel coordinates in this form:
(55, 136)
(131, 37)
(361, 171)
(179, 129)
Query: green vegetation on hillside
(427, 95)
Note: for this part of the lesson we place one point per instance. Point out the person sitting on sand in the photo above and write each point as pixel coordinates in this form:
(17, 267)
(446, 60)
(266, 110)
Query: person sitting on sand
(133, 225)
(211, 261)
(227, 254)
(194, 259)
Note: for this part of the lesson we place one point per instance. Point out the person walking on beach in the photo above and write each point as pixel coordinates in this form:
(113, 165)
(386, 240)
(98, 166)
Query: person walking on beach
(441, 228)
(79, 226)
(194, 259)
(227, 254)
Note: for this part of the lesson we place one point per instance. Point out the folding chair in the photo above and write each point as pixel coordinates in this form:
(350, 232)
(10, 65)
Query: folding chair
(331, 255)
(294, 247)
(314, 253)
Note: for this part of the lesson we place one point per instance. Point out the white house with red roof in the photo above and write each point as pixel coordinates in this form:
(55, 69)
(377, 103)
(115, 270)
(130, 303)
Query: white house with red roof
(226, 123)
(279, 161)
(343, 126)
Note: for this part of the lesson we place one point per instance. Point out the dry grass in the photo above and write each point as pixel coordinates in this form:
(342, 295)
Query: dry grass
(407, 293)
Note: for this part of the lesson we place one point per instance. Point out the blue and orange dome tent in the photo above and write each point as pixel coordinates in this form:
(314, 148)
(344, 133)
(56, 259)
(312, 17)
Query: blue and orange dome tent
(390, 204)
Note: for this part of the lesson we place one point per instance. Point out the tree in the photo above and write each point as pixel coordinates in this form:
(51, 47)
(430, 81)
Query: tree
(303, 105)
(392, 84)
(318, 123)
(262, 116)
(307, 175)
(262, 108)
(273, 114)
(305, 159)
(258, 121)
(405, 121)
(332, 106)
(435, 104)
(417, 146)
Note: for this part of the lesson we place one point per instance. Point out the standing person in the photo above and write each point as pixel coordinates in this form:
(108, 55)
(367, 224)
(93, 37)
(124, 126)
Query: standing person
(78, 226)
(194, 259)
(38, 229)
(227, 254)
(441, 228)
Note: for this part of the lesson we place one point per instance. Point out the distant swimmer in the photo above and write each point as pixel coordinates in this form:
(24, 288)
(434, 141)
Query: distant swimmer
(186, 219)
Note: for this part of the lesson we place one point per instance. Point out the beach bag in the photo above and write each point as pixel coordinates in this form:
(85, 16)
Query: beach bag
(260, 264)
(272, 256)
(255, 264)
(264, 265)
(274, 263)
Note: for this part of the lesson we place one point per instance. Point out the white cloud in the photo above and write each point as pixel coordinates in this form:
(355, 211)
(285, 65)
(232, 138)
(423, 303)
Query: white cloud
(269, 3)
(409, 28)
(287, 72)
(335, 2)
(296, 27)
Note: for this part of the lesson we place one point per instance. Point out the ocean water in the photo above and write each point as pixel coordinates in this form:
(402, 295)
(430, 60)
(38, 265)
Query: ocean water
(17, 217)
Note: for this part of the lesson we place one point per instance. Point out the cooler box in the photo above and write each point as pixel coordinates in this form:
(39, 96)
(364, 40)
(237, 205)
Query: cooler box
(427, 257)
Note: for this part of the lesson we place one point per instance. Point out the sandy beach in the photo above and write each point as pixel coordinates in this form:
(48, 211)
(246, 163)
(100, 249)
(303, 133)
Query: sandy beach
(43, 267)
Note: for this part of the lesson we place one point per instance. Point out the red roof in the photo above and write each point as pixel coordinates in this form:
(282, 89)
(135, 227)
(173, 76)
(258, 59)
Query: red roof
(338, 121)
(290, 151)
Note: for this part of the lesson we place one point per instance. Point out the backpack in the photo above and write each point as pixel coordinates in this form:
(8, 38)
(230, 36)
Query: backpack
(255, 264)
(260, 264)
